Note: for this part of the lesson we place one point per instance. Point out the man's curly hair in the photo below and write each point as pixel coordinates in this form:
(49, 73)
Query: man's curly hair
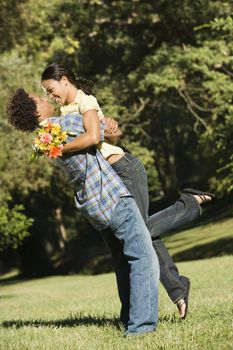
(21, 111)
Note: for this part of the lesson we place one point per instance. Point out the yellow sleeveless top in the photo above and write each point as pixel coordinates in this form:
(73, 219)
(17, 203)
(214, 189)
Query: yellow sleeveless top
(83, 103)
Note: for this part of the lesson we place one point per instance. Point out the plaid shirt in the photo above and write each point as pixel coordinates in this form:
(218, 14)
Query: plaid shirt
(97, 186)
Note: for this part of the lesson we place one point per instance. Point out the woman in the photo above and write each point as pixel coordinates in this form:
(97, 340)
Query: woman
(75, 95)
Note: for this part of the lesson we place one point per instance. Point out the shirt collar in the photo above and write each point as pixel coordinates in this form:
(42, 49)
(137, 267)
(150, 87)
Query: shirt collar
(69, 108)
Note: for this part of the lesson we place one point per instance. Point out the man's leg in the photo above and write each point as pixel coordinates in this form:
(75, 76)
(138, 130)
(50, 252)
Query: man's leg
(130, 229)
(121, 268)
(137, 185)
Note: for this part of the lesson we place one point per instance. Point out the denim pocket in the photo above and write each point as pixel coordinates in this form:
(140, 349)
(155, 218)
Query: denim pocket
(141, 174)
(123, 170)
(121, 165)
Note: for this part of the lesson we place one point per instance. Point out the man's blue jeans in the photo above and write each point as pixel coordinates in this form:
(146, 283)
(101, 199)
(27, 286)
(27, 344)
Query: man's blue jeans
(141, 264)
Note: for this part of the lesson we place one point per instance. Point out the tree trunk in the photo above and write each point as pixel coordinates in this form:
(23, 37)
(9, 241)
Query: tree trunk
(60, 228)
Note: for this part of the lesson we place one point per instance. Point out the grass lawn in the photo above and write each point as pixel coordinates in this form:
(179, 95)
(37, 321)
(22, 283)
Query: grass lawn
(208, 240)
(80, 312)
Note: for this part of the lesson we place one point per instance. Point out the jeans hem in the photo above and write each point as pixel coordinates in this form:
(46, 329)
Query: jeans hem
(130, 334)
(180, 297)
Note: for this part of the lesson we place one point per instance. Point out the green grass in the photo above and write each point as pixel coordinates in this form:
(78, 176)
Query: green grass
(208, 240)
(80, 312)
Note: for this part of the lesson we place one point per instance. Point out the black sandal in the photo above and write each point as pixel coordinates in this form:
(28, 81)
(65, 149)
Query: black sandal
(202, 194)
(179, 304)
(183, 301)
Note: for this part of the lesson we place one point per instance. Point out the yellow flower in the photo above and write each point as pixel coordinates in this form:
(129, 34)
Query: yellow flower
(56, 129)
(63, 136)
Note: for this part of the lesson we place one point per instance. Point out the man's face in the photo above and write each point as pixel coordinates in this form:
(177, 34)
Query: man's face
(44, 108)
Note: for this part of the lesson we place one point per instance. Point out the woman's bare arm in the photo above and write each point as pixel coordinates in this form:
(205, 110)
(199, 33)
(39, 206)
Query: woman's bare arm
(91, 136)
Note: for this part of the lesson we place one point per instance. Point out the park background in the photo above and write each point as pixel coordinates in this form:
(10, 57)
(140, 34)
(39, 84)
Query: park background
(164, 70)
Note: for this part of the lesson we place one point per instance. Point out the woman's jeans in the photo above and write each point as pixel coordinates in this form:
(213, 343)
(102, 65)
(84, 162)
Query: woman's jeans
(139, 287)
(184, 210)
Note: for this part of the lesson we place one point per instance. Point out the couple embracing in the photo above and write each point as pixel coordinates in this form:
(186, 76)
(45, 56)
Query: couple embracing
(110, 189)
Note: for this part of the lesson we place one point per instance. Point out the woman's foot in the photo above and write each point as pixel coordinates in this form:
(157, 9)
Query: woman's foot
(201, 196)
(201, 199)
(183, 303)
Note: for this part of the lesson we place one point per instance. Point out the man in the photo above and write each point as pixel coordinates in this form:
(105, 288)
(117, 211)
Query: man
(106, 203)
(183, 211)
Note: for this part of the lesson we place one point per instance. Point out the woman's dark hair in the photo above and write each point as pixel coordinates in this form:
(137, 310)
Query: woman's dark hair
(21, 111)
(57, 71)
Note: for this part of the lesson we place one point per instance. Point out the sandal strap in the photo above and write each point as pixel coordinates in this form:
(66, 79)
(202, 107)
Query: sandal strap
(203, 198)
(180, 303)
(198, 192)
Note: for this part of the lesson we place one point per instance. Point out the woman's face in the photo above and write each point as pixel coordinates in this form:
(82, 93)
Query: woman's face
(58, 91)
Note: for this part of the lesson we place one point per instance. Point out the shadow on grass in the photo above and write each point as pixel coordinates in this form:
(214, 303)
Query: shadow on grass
(3, 296)
(219, 247)
(11, 280)
(76, 321)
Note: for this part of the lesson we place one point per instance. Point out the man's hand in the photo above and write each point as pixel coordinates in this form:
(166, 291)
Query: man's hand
(112, 131)
(111, 126)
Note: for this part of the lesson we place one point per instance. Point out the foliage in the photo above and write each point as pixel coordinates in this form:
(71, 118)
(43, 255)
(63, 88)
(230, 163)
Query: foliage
(163, 69)
(14, 225)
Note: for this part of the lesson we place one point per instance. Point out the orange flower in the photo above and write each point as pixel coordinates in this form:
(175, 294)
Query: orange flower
(55, 151)
(48, 127)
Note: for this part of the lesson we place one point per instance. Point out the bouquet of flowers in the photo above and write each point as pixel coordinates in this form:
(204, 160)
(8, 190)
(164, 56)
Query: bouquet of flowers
(49, 141)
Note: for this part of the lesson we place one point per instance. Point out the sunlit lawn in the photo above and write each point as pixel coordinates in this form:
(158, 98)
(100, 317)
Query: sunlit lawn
(212, 239)
(80, 312)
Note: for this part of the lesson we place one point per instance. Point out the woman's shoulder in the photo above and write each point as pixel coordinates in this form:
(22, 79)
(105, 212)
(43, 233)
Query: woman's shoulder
(84, 98)
(87, 102)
